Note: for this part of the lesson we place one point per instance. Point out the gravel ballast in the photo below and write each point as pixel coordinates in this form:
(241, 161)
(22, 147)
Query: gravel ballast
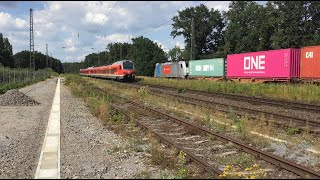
(90, 150)
(14, 97)
(22, 131)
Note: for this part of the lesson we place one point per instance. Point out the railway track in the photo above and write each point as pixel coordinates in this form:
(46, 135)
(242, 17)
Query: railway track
(252, 99)
(196, 141)
(300, 124)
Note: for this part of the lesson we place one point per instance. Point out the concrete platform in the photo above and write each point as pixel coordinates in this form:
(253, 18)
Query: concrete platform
(49, 161)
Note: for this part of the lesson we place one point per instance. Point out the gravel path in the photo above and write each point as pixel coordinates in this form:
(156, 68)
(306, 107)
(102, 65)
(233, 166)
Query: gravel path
(22, 131)
(87, 146)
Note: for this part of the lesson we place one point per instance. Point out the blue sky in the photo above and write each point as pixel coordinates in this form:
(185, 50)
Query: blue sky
(58, 23)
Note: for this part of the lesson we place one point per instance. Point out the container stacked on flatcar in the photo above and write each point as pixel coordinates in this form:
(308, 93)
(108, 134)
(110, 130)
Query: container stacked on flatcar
(310, 63)
(207, 68)
(273, 65)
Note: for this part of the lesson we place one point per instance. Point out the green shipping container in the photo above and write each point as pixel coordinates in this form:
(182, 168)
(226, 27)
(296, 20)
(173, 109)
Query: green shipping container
(207, 68)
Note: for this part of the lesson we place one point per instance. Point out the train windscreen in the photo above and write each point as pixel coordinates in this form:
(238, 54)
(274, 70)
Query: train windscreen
(127, 65)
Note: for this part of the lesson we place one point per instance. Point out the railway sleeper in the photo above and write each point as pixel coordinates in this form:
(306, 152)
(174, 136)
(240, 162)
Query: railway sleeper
(290, 166)
(227, 153)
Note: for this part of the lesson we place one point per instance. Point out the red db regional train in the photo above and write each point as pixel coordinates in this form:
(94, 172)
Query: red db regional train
(120, 70)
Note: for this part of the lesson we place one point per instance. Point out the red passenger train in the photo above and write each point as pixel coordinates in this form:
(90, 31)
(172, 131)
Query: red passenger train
(120, 70)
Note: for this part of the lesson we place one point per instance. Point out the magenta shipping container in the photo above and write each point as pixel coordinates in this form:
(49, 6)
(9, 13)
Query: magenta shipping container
(273, 64)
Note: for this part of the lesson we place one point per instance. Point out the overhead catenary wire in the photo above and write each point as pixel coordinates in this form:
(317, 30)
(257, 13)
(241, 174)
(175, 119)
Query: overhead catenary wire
(111, 9)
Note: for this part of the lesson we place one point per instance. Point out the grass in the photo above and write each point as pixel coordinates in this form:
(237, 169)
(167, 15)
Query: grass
(243, 125)
(99, 105)
(209, 117)
(242, 160)
(309, 93)
(17, 78)
(142, 175)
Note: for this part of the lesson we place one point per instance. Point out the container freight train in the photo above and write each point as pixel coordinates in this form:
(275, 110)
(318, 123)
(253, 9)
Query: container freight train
(205, 68)
(120, 71)
(263, 66)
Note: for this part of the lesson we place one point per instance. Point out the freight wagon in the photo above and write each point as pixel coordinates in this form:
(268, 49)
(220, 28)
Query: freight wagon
(273, 65)
(288, 65)
(310, 63)
(213, 69)
(195, 69)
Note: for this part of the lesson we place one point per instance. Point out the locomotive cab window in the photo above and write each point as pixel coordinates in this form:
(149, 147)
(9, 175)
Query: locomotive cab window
(127, 65)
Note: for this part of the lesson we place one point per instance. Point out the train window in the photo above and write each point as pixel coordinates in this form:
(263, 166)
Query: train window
(181, 65)
(127, 65)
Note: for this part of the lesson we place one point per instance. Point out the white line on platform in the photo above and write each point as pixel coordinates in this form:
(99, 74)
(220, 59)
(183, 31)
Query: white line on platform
(49, 161)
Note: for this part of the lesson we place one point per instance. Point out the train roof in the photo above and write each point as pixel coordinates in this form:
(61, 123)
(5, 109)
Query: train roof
(120, 62)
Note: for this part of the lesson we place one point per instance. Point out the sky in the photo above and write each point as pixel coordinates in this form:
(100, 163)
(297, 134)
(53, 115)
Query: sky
(74, 29)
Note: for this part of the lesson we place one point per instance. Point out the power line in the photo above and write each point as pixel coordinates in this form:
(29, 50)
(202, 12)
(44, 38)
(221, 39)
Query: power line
(111, 8)
(93, 15)
(156, 27)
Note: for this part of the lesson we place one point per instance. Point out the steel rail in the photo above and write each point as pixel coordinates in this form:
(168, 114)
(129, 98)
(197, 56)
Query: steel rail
(205, 165)
(278, 161)
(307, 123)
(294, 105)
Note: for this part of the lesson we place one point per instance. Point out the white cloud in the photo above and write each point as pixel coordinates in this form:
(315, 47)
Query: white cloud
(115, 38)
(162, 46)
(7, 22)
(58, 24)
(181, 45)
(218, 5)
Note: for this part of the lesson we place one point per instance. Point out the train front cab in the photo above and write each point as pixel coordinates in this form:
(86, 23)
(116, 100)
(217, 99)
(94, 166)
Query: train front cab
(174, 69)
(125, 70)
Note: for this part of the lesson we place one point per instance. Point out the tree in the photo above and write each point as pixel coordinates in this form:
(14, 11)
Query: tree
(176, 54)
(297, 24)
(313, 21)
(22, 60)
(118, 51)
(208, 29)
(145, 54)
(6, 52)
(114, 52)
(248, 28)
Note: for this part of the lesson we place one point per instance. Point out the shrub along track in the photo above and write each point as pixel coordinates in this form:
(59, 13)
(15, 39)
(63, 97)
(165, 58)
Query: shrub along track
(207, 101)
(200, 144)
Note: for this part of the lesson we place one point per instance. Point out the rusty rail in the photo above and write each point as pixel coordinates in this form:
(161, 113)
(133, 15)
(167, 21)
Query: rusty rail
(275, 102)
(278, 161)
(195, 101)
(190, 155)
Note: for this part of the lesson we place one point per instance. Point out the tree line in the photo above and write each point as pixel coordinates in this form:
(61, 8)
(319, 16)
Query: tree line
(143, 52)
(22, 59)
